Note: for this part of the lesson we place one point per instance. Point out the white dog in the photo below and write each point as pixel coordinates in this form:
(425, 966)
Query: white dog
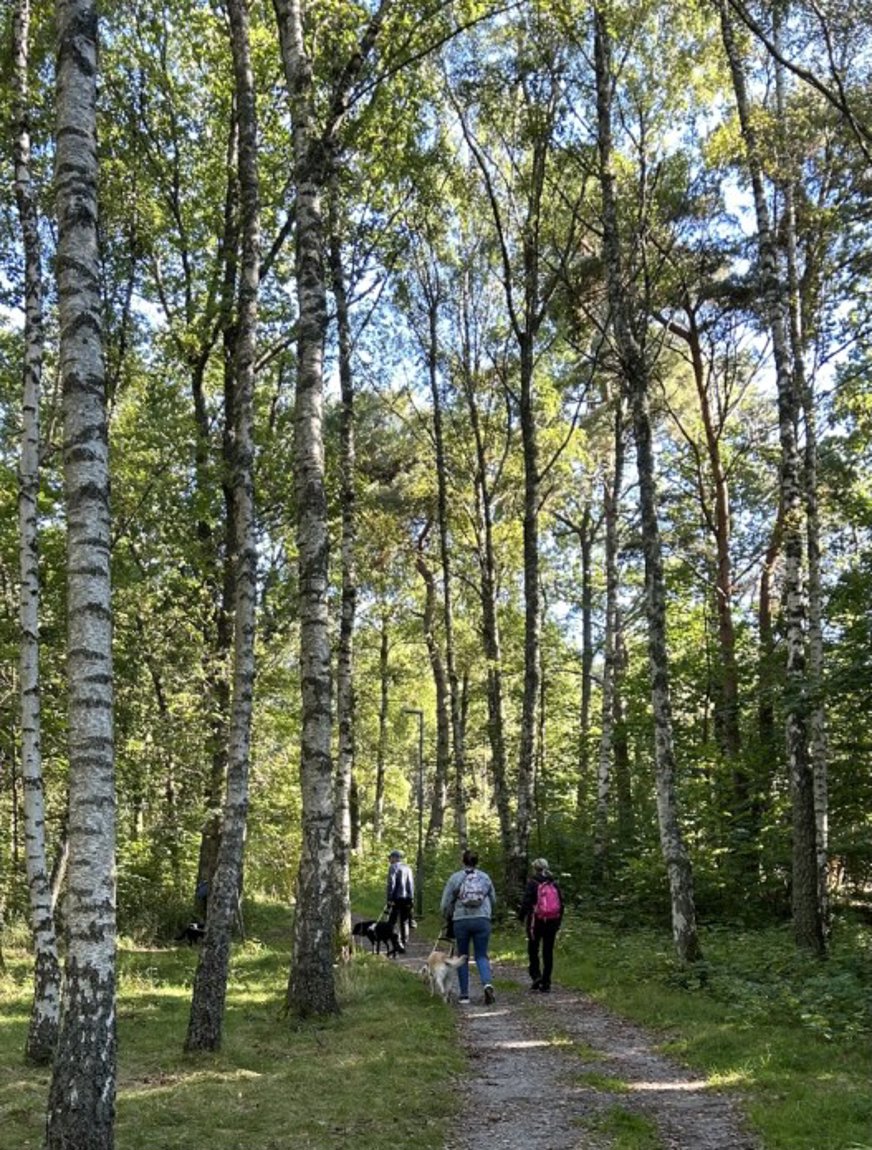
(441, 972)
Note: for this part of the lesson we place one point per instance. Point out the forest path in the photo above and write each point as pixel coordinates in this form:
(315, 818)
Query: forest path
(559, 1072)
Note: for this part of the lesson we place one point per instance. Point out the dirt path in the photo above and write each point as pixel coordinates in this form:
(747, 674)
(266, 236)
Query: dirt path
(558, 1072)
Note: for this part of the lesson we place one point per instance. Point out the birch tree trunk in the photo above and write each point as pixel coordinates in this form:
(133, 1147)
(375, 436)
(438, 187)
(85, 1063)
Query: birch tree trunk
(443, 718)
(210, 981)
(636, 374)
(817, 729)
(311, 985)
(43, 1030)
(345, 695)
(807, 918)
(81, 1102)
(611, 506)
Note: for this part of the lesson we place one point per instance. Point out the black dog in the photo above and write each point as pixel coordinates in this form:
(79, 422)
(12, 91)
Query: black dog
(362, 929)
(193, 933)
(383, 932)
(378, 933)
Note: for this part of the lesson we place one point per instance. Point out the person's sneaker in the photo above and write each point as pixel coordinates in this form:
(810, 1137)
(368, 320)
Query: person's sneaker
(545, 989)
(536, 984)
(464, 1000)
(489, 996)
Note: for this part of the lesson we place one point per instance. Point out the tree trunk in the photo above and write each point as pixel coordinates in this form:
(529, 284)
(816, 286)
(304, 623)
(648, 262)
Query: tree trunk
(817, 721)
(621, 748)
(443, 719)
(311, 985)
(382, 746)
(807, 919)
(459, 758)
(488, 579)
(216, 550)
(81, 1103)
(210, 981)
(345, 696)
(532, 624)
(611, 505)
(43, 1030)
(636, 374)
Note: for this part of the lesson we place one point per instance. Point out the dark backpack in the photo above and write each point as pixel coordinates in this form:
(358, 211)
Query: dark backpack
(473, 890)
(548, 905)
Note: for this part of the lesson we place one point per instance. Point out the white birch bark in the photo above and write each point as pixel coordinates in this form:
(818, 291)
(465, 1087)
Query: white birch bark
(636, 373)
(81, 1105)
(345, 693)
(817, 720)
(807, 918)
(210, 981)
(311, 986)
(45, 1012)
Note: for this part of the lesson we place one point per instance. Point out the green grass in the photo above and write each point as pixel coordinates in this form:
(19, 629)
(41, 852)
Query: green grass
(790, 1034)
(627, 1131)
(379, 1074)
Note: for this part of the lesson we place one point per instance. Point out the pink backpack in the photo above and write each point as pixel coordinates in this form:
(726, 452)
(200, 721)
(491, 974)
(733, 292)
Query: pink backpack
(548, 905)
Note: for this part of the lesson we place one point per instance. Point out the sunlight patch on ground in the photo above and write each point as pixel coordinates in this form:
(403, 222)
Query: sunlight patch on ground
(530, 1044)
(154, 1083)
(676, 1087)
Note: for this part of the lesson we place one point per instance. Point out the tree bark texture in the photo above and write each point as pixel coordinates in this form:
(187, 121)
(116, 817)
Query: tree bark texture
(45, 1011)
(210, 981)
(311, 986)
(81, 1104)
(345, 694)
(636, 374)
(817, 720)
(807, 917)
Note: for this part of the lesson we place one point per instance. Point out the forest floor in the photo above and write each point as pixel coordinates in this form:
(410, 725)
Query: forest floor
(559, 1072)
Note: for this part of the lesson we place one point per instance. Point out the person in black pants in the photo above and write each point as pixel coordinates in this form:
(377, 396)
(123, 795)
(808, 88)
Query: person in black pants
(400, 894)
(542, 917)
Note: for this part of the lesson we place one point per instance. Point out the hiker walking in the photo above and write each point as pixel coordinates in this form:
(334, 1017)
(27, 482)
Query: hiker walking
(542, 912)
(468, 901)
(400, 894)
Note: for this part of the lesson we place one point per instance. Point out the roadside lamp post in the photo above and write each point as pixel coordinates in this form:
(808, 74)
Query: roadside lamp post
(419, 863)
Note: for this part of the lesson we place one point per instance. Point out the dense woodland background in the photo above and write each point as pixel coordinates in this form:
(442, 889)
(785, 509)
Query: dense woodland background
(594, 309)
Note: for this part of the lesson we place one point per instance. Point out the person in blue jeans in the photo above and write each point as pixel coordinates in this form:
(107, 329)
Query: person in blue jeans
(468, 901)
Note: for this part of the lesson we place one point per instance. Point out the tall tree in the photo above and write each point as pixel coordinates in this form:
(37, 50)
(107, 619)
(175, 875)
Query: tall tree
(345, 694)
(311, 987)
(516, 193)
(612, 482)
(636, 372)
(43, 1030)
(210, 981)
(81, 1104)
(807, 916)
